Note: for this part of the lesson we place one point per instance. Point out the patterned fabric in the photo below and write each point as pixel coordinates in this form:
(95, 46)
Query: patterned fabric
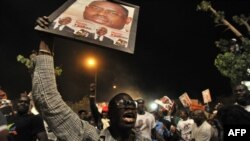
(64, 122)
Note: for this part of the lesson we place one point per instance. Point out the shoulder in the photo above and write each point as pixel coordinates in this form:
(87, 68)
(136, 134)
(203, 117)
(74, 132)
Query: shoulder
(206, 127)
(149, 114)
(138, 136)
(36, 119)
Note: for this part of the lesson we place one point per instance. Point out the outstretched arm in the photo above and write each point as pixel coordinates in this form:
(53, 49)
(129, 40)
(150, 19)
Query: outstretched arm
(94, 110)
(62, 120)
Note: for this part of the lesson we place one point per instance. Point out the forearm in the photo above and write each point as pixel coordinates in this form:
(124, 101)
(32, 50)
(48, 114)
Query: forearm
(94, 110)
(62, 120)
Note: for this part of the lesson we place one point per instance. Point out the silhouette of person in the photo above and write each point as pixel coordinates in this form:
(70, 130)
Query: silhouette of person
(107, 13)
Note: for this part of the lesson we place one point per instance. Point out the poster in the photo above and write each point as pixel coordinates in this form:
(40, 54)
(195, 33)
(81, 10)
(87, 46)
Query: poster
(206, 96)
(185, 100)
(100, 22)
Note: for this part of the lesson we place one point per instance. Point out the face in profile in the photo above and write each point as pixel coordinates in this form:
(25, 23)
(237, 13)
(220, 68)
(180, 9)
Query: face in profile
(122, 111)
(64, 20)
(107, 13)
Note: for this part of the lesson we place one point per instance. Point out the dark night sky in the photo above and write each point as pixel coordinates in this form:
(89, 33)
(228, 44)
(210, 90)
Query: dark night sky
(174, 51)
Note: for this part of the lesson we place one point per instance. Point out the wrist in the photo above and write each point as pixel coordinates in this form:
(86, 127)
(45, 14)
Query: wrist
(45, 52)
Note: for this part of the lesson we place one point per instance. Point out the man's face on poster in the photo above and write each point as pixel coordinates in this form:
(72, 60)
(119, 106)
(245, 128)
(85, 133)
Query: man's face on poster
(64, 20)
(102, 31)
(107, 13)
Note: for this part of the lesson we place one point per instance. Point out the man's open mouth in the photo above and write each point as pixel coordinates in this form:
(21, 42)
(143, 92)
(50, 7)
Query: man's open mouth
(129, 117)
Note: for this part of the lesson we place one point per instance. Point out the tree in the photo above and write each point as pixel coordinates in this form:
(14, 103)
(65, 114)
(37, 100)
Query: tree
(234, 59)
(29, 63)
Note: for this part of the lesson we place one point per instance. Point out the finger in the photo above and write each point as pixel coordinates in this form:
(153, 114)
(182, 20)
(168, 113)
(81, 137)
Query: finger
(38, 22)
(47, 19)
(42, 22)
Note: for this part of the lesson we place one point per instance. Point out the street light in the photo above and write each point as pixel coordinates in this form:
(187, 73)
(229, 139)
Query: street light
(91, 62)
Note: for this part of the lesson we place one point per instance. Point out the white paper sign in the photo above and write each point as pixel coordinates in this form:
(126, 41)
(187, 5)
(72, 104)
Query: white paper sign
(206, 96)
(185, 100)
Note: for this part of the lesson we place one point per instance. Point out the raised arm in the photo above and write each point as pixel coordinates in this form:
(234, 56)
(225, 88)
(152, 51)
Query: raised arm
(94, 110)
(65, 123)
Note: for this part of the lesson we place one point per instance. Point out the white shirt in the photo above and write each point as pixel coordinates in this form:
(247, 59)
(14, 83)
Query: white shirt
(144, 124)
(202, 133)
(100, 37)
(185, 127)
(60, 26)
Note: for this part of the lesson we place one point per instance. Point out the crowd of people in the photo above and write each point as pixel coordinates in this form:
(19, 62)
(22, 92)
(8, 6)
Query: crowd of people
(125, 119)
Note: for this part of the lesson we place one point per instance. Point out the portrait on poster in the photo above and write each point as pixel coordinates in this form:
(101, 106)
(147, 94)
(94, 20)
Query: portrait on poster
(105, 23)
(185, 100)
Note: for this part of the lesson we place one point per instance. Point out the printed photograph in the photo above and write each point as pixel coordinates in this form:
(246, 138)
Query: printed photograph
(104, 23)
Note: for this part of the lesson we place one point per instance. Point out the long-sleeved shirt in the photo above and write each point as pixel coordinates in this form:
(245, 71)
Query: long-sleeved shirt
(64, 122)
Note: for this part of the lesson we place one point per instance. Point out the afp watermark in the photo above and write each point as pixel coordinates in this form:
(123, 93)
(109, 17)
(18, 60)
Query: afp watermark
(241, 132)
(237, 132)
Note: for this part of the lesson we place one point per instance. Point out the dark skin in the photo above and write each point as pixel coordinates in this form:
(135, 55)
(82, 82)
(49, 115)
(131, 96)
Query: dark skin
(65, 20)
(241, 94)
(92, 99)
(198, 117)
(23, 105)
(122, 109)
(183, 115)
(122, 118)
(107, 13)
(140, 108)
(23, 109)
(141, 111)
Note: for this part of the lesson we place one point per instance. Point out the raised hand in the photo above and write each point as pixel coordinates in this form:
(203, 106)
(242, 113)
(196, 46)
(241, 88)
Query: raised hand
(43, 21)
(46, 41)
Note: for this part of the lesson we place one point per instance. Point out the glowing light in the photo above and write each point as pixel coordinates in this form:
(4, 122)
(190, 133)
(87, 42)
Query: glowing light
(91, 62)
(153, 106)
